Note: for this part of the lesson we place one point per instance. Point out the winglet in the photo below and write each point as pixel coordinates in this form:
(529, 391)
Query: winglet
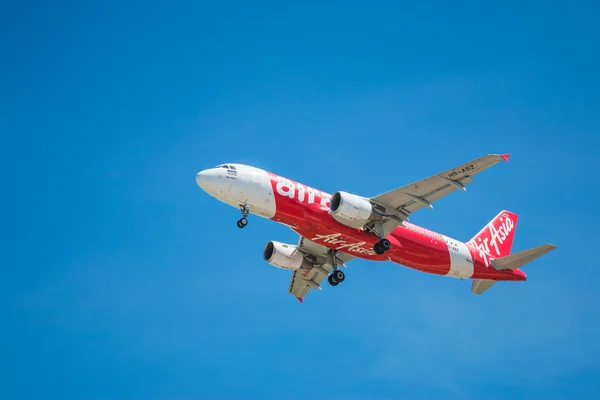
(300, 299)
(505, 157)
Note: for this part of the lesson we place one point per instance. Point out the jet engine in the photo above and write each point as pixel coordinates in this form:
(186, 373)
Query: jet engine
(351, 210)
(285, 256)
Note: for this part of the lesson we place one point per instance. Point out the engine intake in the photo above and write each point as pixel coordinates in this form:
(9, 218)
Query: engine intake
(351, 210)
(284, 256)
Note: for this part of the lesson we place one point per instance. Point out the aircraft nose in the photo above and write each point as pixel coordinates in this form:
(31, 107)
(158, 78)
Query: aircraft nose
(203, 179)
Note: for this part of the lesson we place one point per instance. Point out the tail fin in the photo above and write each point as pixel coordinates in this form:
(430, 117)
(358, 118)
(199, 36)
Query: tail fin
(496, 238)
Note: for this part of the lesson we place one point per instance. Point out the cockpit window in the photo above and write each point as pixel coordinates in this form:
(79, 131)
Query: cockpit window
(232, 167)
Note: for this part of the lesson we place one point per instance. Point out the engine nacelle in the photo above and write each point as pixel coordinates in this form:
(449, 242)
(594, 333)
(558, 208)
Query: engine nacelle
(284, 256)
(350, 210)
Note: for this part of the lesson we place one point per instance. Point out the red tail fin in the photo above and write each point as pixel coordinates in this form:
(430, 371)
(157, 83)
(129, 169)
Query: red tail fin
(496, 238)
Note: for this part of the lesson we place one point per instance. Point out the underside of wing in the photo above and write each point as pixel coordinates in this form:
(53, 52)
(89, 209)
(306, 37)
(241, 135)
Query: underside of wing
(399, 203)
(310, 277)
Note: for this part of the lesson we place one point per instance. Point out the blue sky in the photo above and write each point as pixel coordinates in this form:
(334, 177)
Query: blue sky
(121, 279)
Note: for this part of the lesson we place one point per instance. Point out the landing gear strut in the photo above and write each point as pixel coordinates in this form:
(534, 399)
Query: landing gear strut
(383, 245)
(245, 209)
(336, 276)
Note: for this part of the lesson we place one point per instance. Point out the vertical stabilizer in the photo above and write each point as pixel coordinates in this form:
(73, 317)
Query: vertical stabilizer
(496, 238)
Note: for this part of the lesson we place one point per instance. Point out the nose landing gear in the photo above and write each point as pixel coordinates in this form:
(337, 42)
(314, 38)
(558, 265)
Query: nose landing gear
(245, 209)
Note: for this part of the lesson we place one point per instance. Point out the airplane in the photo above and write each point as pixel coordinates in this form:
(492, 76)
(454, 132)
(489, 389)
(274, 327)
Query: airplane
(334, 229)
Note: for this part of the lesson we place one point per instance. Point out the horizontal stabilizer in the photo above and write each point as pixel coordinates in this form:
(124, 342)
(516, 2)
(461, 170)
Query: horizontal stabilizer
(481, 285)
(517, 260)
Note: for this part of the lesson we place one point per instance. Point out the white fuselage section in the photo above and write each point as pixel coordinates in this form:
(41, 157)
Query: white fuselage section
(239, 185)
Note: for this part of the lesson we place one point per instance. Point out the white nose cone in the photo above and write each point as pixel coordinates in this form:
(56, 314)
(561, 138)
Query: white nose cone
(203, 180)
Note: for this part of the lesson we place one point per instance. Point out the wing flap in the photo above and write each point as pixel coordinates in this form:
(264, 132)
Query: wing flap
(298, 286)
(439, 190)
(304, 279)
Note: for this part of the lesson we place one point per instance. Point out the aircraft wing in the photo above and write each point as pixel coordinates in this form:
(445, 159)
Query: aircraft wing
(304, 279)
(399, 203)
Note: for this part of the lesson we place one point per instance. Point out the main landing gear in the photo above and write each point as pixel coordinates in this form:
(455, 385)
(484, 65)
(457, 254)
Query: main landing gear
(245, 209)
(382, 246)
(336, 276)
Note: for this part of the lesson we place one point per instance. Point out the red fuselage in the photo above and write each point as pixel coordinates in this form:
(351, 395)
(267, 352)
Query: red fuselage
(306, 211)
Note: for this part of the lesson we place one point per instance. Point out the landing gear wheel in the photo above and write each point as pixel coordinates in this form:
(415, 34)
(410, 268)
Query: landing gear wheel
(245, 210)
(385, 244)
(378, 248)
(339, 276)
(332, 280)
